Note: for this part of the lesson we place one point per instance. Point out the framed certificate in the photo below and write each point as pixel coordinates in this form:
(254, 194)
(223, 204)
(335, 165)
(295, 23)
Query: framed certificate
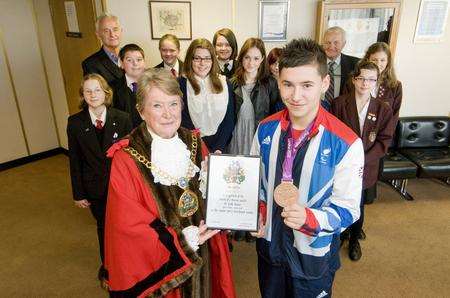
(233, 192)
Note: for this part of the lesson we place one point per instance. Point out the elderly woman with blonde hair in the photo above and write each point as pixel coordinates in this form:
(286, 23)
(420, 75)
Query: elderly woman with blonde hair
(156, 241)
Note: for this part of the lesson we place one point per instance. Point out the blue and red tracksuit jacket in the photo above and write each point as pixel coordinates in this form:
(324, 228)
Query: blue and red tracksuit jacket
(328, 172)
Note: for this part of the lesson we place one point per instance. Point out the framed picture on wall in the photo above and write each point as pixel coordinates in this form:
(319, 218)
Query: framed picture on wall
(273, 20)
(172, 17)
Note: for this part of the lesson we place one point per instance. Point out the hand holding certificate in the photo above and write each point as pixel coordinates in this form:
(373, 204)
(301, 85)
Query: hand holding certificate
(233, 192)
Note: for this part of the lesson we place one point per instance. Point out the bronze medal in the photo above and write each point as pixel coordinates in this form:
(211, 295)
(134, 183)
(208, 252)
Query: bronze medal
(188, 203)
(285, 194)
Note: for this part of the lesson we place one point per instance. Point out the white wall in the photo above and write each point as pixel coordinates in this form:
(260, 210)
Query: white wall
(420, 67)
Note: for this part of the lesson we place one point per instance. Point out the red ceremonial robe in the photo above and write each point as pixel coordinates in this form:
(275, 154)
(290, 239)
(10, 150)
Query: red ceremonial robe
(145, 251)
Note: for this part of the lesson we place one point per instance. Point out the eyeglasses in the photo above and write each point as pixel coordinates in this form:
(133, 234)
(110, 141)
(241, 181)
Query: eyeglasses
(369, 80)
(198, 59)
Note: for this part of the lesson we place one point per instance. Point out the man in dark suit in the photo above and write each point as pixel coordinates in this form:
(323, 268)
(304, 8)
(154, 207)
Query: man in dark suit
(105, 62)
(340, 66)
(169, 48)
(132, 61)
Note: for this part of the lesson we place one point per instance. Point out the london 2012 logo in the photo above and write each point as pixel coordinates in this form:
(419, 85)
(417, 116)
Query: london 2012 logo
(234, 173)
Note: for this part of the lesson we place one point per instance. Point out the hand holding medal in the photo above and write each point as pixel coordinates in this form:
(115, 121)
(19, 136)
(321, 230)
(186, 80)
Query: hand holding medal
(294, 216)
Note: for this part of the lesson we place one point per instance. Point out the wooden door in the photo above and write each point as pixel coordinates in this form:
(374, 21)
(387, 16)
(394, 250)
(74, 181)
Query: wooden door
(74, 49)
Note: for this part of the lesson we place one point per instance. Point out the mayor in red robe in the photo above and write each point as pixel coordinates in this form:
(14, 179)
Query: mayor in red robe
(147, 251)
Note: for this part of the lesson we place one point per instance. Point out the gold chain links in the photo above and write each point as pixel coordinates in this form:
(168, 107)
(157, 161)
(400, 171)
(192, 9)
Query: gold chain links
(139, 157)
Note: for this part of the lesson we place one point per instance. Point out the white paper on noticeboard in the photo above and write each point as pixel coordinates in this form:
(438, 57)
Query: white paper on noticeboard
(71, 16)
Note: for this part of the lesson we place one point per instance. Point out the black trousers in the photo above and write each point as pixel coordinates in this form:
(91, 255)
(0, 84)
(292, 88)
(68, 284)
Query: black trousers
(355, 229)
(98, 210)
(276, 282)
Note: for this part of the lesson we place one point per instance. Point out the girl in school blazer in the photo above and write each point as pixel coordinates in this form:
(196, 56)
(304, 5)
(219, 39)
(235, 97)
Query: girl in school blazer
(371, 119)
(90, 133)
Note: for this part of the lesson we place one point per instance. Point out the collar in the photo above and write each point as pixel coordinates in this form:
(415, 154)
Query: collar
(112, 56)
(222, 64)
(202, 81)
(285, 121)
(337, 60)
(93, 117)
(176, 66)
(130, 82)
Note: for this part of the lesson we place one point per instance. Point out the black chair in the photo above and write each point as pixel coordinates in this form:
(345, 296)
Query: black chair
(395, 169)
(425, 141)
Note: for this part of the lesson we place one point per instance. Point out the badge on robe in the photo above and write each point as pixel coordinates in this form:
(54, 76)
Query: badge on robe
(372, 136)
(372, 117)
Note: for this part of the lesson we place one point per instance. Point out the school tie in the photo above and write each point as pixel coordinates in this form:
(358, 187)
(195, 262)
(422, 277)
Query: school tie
(134, 86)
(329, 95)
(174, 72)
(226, 71)
(98, 124)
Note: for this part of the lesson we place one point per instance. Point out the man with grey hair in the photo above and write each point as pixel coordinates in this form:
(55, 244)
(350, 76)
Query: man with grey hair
(340, 65)
(105, 62)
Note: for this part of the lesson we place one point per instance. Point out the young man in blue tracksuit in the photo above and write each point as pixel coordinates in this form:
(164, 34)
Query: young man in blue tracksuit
(311, 181)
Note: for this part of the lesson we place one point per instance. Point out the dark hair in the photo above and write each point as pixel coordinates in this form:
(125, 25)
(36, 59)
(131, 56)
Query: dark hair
(202, 43)
(103, 84)
(229, 36)
(364, 64)
(169, 37)
(388, 75)
(273, 56)
(131, 47)
(263, 70)
(303, 51)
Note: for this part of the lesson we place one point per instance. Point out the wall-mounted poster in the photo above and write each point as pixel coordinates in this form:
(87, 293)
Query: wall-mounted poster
(273, 20)
(172, 17)
(431, 22)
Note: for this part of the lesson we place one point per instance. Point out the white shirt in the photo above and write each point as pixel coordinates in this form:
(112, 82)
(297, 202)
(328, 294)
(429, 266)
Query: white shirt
(94, 118)
(130, 82)
(176, 66)
(362, 117)
(337, 74)
(207, 109)
(222, 65)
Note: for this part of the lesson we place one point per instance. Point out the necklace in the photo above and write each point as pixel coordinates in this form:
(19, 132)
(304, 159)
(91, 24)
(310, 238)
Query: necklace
(188, 201)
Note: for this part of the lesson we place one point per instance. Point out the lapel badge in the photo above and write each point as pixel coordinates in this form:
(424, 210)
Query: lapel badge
(372, 136)
(115, 135)
(372, 117)
(87, 129)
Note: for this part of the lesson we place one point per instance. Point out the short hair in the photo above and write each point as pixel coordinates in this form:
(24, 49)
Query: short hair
(202, 43)
(273, 56)
(103, 84)
(131, 47)
(170, 37)
(365, 64)
(336, 29)
(103, 16)
(303, 51)
(388, 75)
(263, 70)
(156, 78)
(230, 37)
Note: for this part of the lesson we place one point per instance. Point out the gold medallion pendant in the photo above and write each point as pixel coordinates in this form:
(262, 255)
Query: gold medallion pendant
(285, 194)
(188, 203)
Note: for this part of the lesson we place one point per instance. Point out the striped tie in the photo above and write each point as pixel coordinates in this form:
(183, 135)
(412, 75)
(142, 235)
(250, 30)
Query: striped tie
(329, 95)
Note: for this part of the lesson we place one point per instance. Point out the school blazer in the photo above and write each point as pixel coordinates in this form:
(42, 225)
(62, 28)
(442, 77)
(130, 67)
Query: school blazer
(180, 66)
(125, 100)
(377, 131)
(100, 63)
(89, 166)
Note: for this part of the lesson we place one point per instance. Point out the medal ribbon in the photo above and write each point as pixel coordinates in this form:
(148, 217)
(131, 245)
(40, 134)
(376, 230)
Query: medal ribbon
(292, 149)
